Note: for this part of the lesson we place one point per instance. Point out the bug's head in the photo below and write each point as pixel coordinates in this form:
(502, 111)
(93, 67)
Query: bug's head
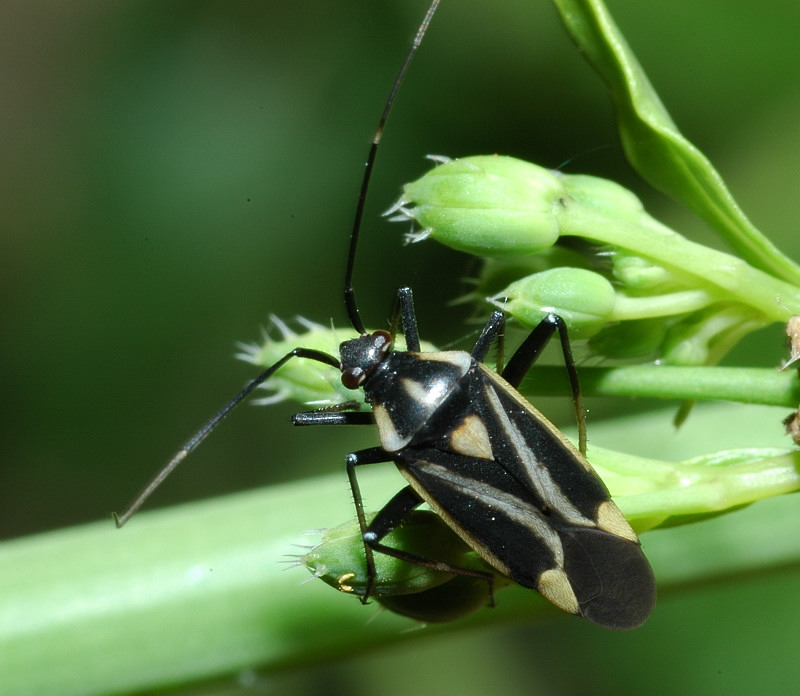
(360, 356)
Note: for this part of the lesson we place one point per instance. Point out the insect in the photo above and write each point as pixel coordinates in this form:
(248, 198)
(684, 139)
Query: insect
(476, 451)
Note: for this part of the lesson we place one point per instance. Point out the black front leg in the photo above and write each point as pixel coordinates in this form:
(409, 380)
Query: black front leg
(326, 416)
(390, 516)
(493, 331)
(528, 353)
(404, 311)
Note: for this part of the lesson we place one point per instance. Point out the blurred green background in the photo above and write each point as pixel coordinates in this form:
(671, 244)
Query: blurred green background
(173, 172)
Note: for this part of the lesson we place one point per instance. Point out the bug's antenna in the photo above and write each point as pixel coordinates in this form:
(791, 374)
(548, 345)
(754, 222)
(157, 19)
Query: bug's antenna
(349, 293)
(192, 443)
(350, 303)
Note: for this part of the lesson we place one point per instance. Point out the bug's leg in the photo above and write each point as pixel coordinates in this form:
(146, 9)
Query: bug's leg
(494, 330)
(531, 349)
(373, 455)
(388, 518)
(331, 417)
(351, 405)
(404, 311)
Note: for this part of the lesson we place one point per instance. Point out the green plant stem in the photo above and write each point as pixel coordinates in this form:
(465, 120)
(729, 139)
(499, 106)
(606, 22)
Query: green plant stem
(735, 278)
(626, 308)
(198, 591)
(754, 385)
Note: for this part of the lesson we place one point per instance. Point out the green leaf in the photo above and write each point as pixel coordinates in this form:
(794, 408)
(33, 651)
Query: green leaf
(654, 145)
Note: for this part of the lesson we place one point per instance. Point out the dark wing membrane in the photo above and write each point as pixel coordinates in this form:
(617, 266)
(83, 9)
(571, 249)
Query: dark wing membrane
(610, 576)
(536, 511)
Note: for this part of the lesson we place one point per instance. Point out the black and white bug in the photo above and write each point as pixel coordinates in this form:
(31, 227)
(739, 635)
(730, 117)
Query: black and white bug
(478, 453)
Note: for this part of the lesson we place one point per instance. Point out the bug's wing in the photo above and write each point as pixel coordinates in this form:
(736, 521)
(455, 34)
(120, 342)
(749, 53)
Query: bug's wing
(534, 509)
(581, 568)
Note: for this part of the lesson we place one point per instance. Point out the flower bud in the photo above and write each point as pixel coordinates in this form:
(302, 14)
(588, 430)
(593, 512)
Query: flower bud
(642, 277)
(409, 589)
(302, 380)
(486, 205)
(338, 560)
(584, 299)
(603, 195)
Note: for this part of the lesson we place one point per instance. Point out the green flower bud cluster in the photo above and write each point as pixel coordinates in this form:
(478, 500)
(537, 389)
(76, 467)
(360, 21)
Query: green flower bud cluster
(305, 381)
(655, 493)
(416, 591)
(649, 293)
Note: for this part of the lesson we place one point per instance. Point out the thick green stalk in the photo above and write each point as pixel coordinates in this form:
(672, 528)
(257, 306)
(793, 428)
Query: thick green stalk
(200, 591)
(742, 384)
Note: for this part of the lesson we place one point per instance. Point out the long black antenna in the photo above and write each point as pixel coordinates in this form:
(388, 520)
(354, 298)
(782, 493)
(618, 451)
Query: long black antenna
(191, 444)
(349, 293)
(308, 353)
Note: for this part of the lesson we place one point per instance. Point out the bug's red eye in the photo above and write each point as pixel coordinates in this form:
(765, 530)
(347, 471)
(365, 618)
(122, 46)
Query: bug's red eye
(381, 338)
(353, 377)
